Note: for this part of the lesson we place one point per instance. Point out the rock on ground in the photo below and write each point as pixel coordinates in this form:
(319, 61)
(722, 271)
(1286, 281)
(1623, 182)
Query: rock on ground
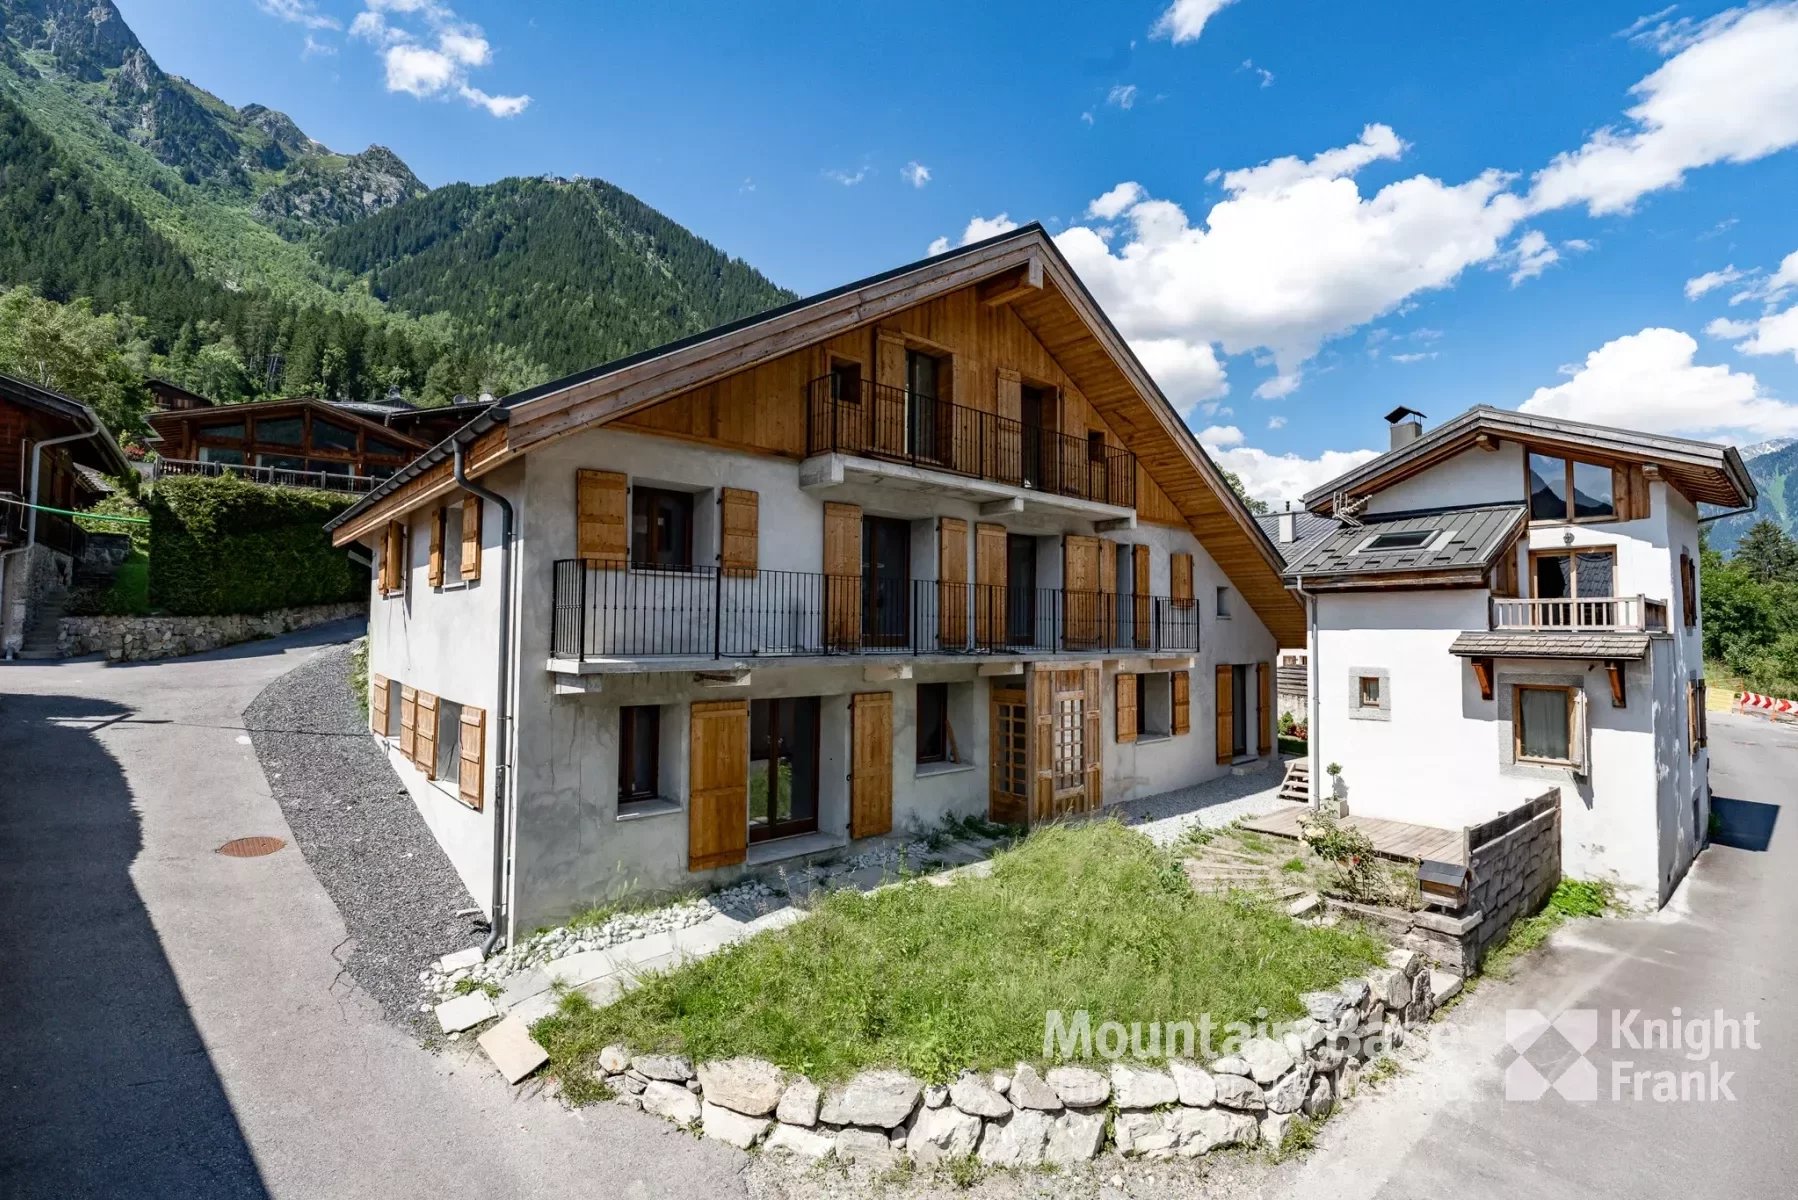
(672, 1101)
(749, 1086)
(731, 1127)
(873, 1098)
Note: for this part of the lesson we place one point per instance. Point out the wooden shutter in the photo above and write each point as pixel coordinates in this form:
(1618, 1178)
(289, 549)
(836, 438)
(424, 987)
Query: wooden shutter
(1126, 706)
(1264, 677)
(718, 784)
(1080, 590)
(990, 584)
(393, 558)
(1226, 713)
(842, 574)
(439, 517)
(1094, 748)
(471, 774)
(1139, 584)
(1007, 444)
(952, 583)
(739, 543)
(1180, 685)
(471, 538)
(1704, 713)
(1180, 579)
(377, 705)
(424, 737)
(870, 764)
(602, 530)
(1042, 744)
(1108, 592)
(888, 403)
(1688, 589)
(408, 721)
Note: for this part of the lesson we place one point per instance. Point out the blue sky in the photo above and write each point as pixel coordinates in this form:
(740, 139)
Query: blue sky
(1302, 215)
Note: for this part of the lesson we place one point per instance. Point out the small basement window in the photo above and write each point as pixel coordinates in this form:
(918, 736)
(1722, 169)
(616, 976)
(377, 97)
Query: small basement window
(933, 722)
(639, 753)
(1370, 691)
(1406, 539)
(449, 741)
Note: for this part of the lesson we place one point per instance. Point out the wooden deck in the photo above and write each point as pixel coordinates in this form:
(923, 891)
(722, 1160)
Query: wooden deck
(1391, 839)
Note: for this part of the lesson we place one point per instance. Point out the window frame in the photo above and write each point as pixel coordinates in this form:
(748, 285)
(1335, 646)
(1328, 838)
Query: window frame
(1223, 603)
(1156, 686)
(1517, 723)
(631, 737)
(942, 726)
(1366, 698)
(1572, 554)
(645, 494)
(1567, 462)
(447, 769)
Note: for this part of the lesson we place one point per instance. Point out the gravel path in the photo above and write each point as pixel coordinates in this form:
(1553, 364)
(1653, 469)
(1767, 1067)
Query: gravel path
(361, 834)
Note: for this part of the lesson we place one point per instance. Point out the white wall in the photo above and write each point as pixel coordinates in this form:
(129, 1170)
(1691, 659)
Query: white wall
(1471, 477)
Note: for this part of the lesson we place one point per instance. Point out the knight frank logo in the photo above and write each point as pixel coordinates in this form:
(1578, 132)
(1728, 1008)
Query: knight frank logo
(1584, 1056)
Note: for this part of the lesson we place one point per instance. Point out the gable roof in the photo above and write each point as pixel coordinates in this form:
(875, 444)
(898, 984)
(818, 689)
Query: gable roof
(337, 412)
(1044, 294)
(1308, 530)
(1707, 472)
(100, 451)
(1461, 544)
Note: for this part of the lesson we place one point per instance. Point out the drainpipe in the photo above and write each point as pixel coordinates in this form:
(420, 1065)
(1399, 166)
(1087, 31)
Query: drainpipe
(503, 706)
(37, 465)
(1311, 709)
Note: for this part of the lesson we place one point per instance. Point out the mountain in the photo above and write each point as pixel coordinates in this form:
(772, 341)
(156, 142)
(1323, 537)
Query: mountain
(1767, 447)
(257, 261)
(1775, 473)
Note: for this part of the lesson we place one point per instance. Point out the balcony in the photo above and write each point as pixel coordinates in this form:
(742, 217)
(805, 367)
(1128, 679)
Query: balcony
(887, 434)
(1611, 614)
(704, 613)
(331, 481)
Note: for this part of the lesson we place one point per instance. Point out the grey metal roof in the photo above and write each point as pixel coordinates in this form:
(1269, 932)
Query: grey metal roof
(1547, 644)
(1309, 529)
(1686, 453)
(1464, 539)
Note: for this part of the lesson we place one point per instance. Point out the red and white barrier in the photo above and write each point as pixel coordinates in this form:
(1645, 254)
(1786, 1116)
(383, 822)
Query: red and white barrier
(1755, 702)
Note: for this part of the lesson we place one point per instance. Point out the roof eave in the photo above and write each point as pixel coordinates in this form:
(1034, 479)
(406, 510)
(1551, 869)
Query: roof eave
(493, 417)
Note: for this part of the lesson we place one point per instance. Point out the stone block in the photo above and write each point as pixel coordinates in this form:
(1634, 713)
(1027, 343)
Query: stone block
(865, 1146)
(1018, 1140)
(465, 1012)
(1196, 1087)
(792, 1139)
(671, 1100)
(1140, 1087)
(1031, 1090)
(1234, 1091)
(873, 1098)
(730, 1127)
(941, 1134)
(972, 1095)
(1075, 1137)
(799, 1104)
(1079, 1087)
(750, 1086)
(510, 1047)
(1287, 1094)
(671, 1068)
(1267, 1059)
(615, 1059)
(1201, 1130)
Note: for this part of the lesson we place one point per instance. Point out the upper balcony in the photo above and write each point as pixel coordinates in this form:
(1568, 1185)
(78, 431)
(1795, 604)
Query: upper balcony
(865, 432)
(610, 618)
(1594, 614)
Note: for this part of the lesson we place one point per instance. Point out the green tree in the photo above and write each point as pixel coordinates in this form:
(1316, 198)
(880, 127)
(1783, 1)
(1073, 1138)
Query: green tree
(1767, 553)
(1258, 507)
(68, 348)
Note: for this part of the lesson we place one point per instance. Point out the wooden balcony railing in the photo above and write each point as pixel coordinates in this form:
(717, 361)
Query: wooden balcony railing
(330, 481)
(1629, 614)
(655, 612)
(877, 421)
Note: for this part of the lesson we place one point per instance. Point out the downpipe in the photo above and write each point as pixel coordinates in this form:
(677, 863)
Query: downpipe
(37, 466)
(1311, 708)
(502, 707)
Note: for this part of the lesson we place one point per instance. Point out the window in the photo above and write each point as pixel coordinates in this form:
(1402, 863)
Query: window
(783, 767)
(1370, 694)
(375, 445)
(1154, 705)
(1069, 744)
(1408, 539)
(661, 528)
(1223, 603)
(846, 382)
(1562, 489)
(449, 741)
(927, 429)
(221, 433)
(393, 709)
(1544, 725)
(1369, 689)
(1095, 446)
(639, 752)
(328, 435)
(452, 543)
(933, 723)
(221, 454)
(1584, 579)
(281, 431)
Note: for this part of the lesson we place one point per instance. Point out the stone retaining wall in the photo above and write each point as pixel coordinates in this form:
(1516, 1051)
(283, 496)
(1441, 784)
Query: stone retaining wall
(136, 638)
(1064, 1115)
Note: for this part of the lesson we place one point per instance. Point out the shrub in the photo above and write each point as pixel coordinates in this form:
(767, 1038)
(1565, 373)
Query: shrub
(227, 546)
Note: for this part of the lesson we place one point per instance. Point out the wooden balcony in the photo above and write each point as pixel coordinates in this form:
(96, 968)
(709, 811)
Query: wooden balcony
(1611, 614)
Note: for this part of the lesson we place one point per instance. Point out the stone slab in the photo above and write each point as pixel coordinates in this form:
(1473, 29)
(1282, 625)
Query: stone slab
(460, 959)
(511, 1048)
(465, 1012)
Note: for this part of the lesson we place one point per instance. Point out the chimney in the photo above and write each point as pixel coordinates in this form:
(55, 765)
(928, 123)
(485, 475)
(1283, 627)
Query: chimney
(1289, 526)
(1407, 426)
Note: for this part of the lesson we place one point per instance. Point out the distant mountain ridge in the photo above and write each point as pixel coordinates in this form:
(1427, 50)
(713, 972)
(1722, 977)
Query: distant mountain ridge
(1775, 474)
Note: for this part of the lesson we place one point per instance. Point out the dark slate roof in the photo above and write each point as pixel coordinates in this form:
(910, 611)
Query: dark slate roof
(1546, 644)
(1477, 534)
(1309, 529)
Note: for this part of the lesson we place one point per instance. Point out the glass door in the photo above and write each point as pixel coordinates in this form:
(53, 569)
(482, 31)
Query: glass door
(1020, 590)
(921, 391)
(783, 768)
(886, 581)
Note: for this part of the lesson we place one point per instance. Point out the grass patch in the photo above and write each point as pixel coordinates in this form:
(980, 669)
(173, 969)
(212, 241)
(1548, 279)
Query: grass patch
(933, 979)
(1572, 899)
(358, 682)
(465, 986)
(1300, 1137)
(1294, 866)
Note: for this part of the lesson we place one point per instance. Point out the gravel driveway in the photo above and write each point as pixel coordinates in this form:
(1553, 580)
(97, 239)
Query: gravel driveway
(361, 835)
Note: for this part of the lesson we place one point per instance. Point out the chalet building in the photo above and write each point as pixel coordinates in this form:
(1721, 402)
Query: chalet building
(932, 543)
(1511, 601)
(51, 448)
(1294, 534)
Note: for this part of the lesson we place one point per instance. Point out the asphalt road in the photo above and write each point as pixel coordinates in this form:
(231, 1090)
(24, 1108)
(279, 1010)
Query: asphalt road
(174, 1022)
(1725, 944)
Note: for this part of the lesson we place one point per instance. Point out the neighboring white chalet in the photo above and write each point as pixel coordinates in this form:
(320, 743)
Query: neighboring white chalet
(932, 544)
(1511, 602)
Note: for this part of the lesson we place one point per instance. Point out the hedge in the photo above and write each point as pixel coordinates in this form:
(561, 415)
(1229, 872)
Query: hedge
(226, 546)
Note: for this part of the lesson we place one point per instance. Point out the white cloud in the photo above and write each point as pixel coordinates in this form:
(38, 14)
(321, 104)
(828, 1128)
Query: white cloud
(1220, 437)
(1727, 94)
(431, 62)
(1413, 357)
(1114, 202)
(1776, 333)
(915, 173)
(978, 230)
(1770, 288)
(1086, 118)
(1651, 381)
(1276, 422)
(1184, 20)
(1710, 281)
(1531, 256)
(1377, 142)
(1277, 478)
(1266, 76)
(299, 12)
(1188, 372)
(1122, 95)
(847, 178)
(313, 48)
(1651, 25)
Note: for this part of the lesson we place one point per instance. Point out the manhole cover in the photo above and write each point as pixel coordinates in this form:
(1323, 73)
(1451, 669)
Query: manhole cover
(251, 847)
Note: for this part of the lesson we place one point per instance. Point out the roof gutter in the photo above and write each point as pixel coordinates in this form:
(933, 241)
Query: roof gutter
(1732, 512)
(502, 825)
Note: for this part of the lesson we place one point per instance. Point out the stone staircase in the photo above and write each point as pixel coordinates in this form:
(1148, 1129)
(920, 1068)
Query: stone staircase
(1297, 784)
(46, 622)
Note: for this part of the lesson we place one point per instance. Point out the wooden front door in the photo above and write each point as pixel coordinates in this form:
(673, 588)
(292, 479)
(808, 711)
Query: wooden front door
(1009, 801)
(1066, 745)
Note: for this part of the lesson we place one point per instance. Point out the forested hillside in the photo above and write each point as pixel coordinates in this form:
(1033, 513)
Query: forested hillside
(1775, 473)
(146, 226)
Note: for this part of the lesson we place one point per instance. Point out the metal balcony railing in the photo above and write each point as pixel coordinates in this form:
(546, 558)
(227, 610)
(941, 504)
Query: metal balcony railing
(271, 476)
(1628, 614)
(655, 612)
(877, 421)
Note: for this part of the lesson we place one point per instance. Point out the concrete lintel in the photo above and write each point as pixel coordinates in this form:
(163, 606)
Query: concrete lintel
(578, 685)
(886, 673)
(1184, 662)
(821, 470)
(722, 679)
(1116, 524)
(1444, 923)
(1002, 508)
(993, 670)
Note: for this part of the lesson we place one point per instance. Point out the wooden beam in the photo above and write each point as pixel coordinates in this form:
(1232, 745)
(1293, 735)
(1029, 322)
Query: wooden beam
(1614, 668)
(1013, 285)
(1482, 674)
(1486, 442)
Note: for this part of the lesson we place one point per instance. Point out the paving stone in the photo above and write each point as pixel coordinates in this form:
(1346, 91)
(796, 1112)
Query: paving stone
(1079, 1087)
(588, 965)
(522, 987)
(510, 1046)
(465, 1012)
(460, 960)
(799, 1103)
(672, 1101)
(730, 1127)
(792, 1139)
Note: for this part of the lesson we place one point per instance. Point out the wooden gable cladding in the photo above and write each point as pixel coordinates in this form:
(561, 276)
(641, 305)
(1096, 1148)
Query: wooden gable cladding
(739, 518)
(718, 788)
(488, 451)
